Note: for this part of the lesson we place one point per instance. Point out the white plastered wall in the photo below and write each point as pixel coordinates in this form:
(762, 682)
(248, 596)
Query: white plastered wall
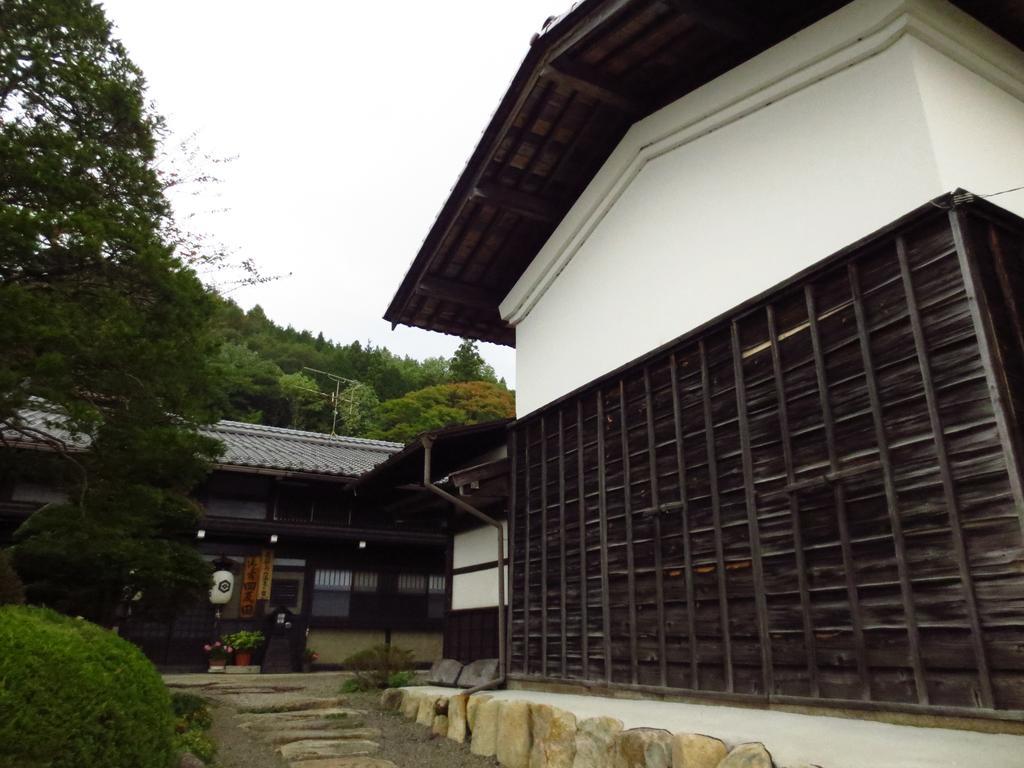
(478, 589)
(770, 168)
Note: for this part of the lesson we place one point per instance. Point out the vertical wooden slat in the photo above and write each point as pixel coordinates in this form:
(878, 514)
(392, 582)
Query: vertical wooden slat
(838, 494)
(691, 626)
(581, 509)
(526, 549)
(634, 654)
(716, 516)
(794, 505)
(991, 358)
(945, 472)
(892, 502)
(659, 576)
(543, 547)
(563, 587)
(753, 527)
(511, 560)
(602, 504)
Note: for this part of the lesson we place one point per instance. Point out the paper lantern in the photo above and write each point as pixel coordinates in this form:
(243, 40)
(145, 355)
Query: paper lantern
(223, 587)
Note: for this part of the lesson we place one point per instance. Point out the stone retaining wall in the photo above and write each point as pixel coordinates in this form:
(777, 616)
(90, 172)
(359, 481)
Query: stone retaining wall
(523, 734)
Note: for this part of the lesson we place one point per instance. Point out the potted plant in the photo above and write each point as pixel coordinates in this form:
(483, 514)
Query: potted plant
(218, 653)
(244, 643)
(308, 657)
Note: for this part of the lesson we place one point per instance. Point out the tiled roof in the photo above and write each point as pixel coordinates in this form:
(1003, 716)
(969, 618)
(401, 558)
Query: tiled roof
(254, 445)
(251, 445)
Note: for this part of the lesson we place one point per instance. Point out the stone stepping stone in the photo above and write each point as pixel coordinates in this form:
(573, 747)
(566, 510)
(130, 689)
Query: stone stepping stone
(308, 749)
(320, 734)
(334, 713)
(344, 762)
(338, 724)
(276, 705)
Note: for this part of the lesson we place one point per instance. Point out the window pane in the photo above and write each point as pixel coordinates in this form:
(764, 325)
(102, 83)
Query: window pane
(239, 508)
(327, 603)
(437, 585)
(412, 583)
(364, 581)
(332, 580)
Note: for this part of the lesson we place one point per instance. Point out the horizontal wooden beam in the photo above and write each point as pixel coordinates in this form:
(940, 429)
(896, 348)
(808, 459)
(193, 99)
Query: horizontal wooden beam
(590, 82)
(531, 206)
(456, 292)
(722, 16)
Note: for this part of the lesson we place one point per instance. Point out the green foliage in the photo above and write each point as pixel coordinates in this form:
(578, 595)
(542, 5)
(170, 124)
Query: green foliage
(192, 719)
(442, 406)
(98, 318)
(467, 364)
(244, 640)
(402, 679)
(74, 694)
(374, 667)
(197, 743)
(191, 710)
(261, 370)
(11, 590)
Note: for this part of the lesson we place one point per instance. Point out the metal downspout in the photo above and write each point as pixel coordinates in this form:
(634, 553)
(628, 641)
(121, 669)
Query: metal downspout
(428, 443)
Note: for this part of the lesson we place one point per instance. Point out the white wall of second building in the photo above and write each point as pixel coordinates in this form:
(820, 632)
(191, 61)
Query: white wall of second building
(763, 172)
(478, 589)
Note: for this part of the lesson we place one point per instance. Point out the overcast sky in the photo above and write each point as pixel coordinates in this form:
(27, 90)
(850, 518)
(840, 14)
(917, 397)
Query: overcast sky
(350, 121)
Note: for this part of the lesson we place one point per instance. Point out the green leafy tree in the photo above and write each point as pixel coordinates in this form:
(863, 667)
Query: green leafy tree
(98, 318)
(442, 406)
(466, 364)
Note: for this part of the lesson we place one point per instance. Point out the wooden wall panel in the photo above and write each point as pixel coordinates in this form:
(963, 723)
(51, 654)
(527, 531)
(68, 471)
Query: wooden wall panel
(815, 498)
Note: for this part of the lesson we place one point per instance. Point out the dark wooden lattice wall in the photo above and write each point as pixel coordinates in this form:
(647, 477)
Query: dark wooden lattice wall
(814, 500)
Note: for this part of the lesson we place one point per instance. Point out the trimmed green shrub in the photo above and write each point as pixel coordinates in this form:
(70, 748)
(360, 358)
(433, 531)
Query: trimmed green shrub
(11, 590)
(374, 666)
(73, 694)
(402, 679)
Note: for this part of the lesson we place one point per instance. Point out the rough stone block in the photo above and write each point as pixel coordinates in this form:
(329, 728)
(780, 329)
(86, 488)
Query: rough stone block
(485, 728)
(472, 706)
(457, 718)
(554, 737)
(392, 698)
(444, 672)
(752, 755)
(440, 727)
(694, 750)
(411, 704)
(643, 748)
(595, 742)
(478, 673)
(344, 762)
(425, 715)
(514, 742)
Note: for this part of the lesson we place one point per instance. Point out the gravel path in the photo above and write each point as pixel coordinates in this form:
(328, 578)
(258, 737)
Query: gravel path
(409, 745)
(403, 742)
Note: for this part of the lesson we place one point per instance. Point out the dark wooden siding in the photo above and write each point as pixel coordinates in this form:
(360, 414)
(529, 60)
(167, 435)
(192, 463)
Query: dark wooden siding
(809, 500)
(472, 634)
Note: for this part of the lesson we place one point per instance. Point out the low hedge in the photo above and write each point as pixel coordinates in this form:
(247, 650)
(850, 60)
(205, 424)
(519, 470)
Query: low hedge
(73, 694)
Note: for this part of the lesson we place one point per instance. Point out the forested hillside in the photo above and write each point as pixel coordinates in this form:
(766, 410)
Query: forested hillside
(282, 377)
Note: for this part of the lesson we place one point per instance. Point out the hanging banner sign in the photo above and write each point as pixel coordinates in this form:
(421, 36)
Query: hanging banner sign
(266, 574)
(250, 587)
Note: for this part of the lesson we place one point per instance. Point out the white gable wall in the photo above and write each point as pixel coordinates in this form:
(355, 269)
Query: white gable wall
(478, 589)
(805, 149)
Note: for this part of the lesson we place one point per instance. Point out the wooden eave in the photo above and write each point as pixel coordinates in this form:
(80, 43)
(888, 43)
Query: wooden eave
(586, 79)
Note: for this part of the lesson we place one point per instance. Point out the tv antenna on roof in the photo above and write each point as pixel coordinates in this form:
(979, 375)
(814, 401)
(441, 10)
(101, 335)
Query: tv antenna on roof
(338, 397)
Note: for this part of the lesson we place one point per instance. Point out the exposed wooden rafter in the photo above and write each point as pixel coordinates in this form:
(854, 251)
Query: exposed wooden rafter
(452, 290)
(510, 199)
(588, 81)
(722, 16)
